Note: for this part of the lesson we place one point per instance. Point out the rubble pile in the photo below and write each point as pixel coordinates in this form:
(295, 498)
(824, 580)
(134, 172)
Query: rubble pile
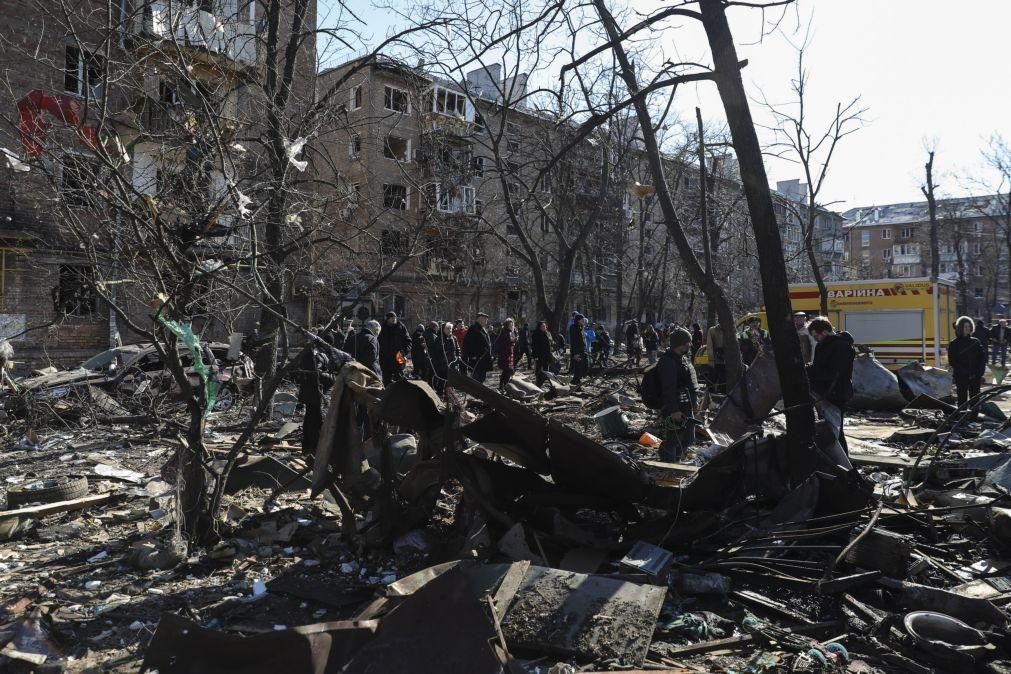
(531, 531)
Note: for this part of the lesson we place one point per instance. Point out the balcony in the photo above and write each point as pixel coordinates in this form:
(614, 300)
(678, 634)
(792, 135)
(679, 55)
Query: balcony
(907, 258)
(835, 246)
(190, 26)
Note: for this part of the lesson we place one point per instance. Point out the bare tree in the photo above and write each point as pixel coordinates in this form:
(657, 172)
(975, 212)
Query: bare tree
(928, 192)
(795, 140)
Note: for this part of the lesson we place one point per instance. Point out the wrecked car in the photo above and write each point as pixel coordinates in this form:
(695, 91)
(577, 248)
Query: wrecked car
(131, 374)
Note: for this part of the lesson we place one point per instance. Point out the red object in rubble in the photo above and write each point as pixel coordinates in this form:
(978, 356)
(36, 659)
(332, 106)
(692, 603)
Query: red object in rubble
(33, 127)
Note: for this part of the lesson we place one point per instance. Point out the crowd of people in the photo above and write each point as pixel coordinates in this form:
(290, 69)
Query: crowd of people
(478, 349)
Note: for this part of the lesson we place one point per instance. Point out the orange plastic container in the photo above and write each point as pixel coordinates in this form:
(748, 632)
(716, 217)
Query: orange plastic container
(649, 440)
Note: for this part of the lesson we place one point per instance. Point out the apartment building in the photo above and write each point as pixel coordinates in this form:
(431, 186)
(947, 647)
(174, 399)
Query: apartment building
(790, 200)
(893, 241)
(148, 82)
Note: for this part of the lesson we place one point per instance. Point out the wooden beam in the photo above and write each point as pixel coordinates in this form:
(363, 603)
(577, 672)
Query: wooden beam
(58, 506)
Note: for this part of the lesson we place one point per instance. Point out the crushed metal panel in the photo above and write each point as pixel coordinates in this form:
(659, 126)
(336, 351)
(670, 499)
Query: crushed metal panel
(180, 646)
(585, 466)
(494, 432)
(590, 618)
(440, 629)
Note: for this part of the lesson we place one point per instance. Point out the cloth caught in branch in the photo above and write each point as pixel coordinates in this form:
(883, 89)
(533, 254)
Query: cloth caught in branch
(185, 333)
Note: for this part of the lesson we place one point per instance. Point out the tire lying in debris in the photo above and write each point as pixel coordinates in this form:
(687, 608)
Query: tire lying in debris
(47, 491)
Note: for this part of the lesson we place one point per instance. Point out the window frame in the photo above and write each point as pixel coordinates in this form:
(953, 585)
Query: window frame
(387, 198)
(407, 152)
(388, 99)
(357, 97)
(886, 234)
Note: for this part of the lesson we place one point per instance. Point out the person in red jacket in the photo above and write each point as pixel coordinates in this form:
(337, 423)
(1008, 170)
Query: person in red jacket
(507, 343)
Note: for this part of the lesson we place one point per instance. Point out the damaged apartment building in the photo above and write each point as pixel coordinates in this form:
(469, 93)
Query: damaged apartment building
(167, 91)
(450, 190)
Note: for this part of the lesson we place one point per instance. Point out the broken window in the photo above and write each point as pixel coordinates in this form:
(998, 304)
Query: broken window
(82, 72)
(396, 100)
(167, 93)
(75, 294)
(392, 242)
(478, 165)
(357, 97)
(907, 232)
(78, 177)
(513, 145)
(355, 146)
(450, 103)
(395, 196)
(397, 148)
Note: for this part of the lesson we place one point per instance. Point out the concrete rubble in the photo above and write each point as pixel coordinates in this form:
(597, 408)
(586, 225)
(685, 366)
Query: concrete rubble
(535, 531)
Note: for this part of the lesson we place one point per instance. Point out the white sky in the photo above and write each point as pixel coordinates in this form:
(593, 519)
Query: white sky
(929, 72)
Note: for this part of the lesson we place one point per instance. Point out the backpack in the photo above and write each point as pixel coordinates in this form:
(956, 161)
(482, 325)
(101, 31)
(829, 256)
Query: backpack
(651, 388)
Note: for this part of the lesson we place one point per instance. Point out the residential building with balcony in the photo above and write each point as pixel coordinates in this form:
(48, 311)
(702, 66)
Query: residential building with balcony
(146, 80)
(893, 241)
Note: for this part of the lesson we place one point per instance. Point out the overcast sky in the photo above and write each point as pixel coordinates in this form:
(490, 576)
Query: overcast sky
(929, 72)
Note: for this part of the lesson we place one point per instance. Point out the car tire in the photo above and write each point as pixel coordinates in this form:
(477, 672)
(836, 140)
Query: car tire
(47, 491)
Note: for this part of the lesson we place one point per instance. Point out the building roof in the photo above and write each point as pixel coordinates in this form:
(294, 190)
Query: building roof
(914, 212)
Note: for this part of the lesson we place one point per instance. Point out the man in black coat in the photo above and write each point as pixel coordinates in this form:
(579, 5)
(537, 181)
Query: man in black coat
(523, 346)
(317, 367)
(982, 333)
(367, 347)
(541, 350)
(578, 358)
(394, 343)
(967, 359)
(679, 396)
(831, 376)
(477, 348)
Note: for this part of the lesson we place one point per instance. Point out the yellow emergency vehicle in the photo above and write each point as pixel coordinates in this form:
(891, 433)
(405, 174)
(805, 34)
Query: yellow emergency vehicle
(900, 320)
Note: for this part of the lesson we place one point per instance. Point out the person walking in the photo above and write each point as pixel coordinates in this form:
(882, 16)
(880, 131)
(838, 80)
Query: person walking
(831, 376)
(807, 342)
(717, 357)
(967, 359)
(508, 345)
(317, 365)
(459, 331)
(651, 342)
(679, 397)
(367, 346)
(523, 346)
(577, 350)
(998, 342)
(633, 342)
(394, 344)
(445, 353)
(542, 351)
(698, 339)
(982, 333)
(604, 346)
(419, 354)
(477, 348)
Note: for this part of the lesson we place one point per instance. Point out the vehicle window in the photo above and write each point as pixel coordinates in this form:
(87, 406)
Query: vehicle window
(101, 361)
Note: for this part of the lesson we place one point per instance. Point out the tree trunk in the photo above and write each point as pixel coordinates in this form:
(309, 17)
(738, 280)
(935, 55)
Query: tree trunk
(812, 259)
(772, 266)
(707, 284)
(928, 191)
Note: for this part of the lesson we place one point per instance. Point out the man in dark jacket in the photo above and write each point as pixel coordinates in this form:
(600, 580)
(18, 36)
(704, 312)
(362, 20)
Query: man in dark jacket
(831, 376)
(633, 342)
(394, 343)
(477, 348)
(419, 353)
(698, 339)
(999, 336)
(367, 347)
(523, 346)
(577, 350)
(982, 333)
(679, 395)
(317, 366)
(967, 358)
(541, 351)
(349, 339)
